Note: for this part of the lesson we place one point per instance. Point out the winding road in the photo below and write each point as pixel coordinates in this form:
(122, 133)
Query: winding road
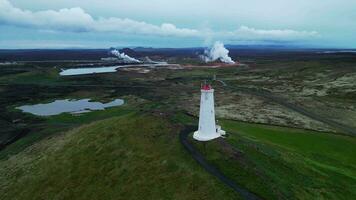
(243, 192)
(183, 137)
(284, 102)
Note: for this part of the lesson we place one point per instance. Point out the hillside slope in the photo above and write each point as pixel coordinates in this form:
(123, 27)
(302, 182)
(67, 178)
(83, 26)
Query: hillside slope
(129, 157)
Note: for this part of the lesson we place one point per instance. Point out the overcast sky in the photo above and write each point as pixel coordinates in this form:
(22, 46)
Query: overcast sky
(176, 23)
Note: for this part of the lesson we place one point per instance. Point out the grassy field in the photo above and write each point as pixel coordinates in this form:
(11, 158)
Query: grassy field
(127, 157)
(59, 123)
(286, 163)
(114, 159)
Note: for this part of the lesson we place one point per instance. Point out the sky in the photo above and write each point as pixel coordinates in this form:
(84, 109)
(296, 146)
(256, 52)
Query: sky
(176, 23)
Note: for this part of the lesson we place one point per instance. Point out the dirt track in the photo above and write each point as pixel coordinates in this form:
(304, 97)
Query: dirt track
(244, 193)
(284, 102)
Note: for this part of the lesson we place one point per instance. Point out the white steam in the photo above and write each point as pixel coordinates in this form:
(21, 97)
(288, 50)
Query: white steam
(124, 57)
(217, 52)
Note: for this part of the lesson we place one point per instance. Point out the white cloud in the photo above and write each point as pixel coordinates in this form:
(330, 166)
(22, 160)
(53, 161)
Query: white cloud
(132, 26)
(248, 33)
(77, 20)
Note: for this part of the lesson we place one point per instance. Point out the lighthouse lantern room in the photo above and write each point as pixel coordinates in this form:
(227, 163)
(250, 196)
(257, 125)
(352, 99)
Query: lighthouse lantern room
(207, 129)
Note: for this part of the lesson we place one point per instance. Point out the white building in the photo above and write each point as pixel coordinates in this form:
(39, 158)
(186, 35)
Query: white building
(207, 130)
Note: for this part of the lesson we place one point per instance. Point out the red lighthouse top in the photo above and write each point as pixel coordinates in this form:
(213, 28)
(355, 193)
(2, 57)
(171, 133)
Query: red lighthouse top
(206, 87)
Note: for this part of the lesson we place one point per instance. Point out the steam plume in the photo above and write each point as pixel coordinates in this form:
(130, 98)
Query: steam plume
(123, 56)
(217, 52)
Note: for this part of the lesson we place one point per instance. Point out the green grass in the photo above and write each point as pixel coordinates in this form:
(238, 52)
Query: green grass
(286, 163)
(58, 123)
(108, 160)
(182, 118)
(128, 157)
(306, 143)
(32, 77)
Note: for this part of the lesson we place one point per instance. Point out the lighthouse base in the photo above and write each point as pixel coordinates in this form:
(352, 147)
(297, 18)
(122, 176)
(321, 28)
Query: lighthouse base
(206, 137)
(202, 137)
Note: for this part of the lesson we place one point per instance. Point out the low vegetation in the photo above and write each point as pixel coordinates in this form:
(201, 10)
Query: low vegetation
(127, 157)
(285, 163)
(133, 152)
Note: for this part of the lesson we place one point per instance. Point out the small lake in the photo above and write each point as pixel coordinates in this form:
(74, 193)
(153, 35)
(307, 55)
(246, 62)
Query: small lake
(88, 70)
(109, 69)
(68, 106)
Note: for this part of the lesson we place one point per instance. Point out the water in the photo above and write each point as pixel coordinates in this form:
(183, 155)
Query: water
(338, 51)
(68, 106)
(95, 70)
(81, 71)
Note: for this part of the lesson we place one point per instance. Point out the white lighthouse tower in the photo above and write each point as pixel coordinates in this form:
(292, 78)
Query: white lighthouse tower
(207, 130)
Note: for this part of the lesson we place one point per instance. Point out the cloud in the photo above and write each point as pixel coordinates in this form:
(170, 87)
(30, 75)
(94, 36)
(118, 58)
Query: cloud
(132, 26)
(77, 20)
(72, 19)
(247, 33)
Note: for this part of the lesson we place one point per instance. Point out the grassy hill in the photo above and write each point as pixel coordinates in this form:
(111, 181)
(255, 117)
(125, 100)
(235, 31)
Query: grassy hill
(128, 157)
(286, 163)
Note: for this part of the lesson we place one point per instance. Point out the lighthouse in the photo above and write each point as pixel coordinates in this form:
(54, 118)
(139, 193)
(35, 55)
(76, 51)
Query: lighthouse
(207, 129)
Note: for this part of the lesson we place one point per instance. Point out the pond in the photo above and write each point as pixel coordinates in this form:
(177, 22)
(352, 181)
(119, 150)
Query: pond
(97, 70)
(68, 106)
(89, 70)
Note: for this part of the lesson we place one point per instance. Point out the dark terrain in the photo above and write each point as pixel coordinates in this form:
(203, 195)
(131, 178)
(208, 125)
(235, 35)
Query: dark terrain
(290, 115)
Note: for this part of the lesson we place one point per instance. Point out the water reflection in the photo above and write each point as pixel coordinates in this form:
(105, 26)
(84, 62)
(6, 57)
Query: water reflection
(93, 70)
(69, 106)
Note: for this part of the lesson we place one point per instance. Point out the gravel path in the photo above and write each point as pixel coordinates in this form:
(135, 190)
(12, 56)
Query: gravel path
(244, 193)
(284, 102)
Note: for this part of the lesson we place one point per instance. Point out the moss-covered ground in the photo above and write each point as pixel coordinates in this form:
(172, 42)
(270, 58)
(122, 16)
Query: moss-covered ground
(133, 152)
(286, 163)
(128, 157)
